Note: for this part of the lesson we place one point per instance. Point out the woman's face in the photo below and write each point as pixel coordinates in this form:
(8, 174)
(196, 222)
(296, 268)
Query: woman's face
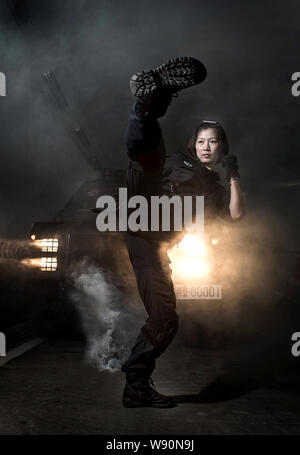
(208, 146)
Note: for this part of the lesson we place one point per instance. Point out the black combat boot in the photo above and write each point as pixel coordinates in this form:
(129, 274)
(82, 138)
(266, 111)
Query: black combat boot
(143, 394)
(176, 74)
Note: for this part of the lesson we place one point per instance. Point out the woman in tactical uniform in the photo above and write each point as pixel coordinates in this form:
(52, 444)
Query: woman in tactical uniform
(151, 173)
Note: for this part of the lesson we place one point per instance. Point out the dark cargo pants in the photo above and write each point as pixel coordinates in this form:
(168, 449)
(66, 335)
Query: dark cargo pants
(148, 255)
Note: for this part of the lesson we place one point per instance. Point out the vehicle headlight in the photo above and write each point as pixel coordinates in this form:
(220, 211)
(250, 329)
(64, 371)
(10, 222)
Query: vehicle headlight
(49, 245)
(190, 258)
(48, 264)
(46, 245)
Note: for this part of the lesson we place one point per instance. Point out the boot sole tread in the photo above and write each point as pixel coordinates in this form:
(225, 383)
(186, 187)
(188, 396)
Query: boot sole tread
(179, 73)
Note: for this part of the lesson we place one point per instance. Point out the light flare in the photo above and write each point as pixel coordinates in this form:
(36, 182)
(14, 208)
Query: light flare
(192, 245)
(192, 267)
(48, 264)
(36, 262)
(190, 258)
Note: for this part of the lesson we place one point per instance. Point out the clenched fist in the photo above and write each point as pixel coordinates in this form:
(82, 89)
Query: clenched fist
(232, 168)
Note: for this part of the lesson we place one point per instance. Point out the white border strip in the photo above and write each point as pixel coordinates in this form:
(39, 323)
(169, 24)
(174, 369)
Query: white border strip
(19, 350)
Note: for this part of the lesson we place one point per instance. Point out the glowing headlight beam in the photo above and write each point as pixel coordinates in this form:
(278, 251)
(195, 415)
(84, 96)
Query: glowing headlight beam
(47, 245)
(44, 264)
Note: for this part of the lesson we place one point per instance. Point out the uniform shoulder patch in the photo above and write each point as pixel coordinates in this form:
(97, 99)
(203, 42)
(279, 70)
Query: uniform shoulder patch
(188, 163)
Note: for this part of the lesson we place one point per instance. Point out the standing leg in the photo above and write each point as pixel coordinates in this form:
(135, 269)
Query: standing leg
(151, 266)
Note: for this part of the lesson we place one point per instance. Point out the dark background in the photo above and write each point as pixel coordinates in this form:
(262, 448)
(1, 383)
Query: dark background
(250, 48)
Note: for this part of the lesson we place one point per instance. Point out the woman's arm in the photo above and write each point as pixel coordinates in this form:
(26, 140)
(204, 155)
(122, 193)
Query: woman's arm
(236, 204)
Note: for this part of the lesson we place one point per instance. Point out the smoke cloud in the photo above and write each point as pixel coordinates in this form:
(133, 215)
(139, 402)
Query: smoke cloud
(253, 265)
(110, 321)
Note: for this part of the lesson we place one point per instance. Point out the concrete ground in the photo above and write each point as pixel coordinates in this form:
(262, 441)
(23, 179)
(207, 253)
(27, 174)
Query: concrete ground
(53, 390)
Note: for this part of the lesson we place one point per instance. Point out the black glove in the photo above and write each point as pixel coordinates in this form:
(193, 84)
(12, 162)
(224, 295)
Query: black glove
(232, 168)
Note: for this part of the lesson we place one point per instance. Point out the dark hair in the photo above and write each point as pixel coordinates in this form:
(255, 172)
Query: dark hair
(204, 125)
